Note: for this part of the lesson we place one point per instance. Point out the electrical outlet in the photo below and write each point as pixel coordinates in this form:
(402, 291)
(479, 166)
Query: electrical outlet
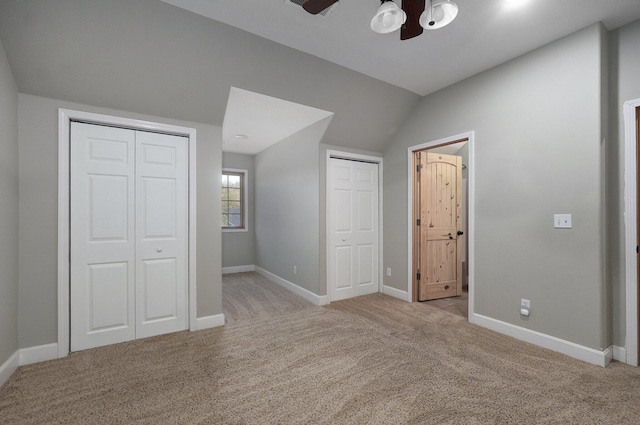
(525, 307)
(295, 269)
(388, 271)
(562, 221)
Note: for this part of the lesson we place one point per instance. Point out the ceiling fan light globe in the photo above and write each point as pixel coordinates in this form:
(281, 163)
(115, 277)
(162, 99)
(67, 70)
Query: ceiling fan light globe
(439, 14)
(388, 18)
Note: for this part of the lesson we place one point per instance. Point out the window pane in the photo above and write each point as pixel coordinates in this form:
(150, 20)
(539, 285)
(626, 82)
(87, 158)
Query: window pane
(234, 207)
(235, 220)
(232, 187)
(234, 194)
(234, 181)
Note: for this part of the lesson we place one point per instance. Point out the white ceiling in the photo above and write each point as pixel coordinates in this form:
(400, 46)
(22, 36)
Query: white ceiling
(264, 120)
(485, 34)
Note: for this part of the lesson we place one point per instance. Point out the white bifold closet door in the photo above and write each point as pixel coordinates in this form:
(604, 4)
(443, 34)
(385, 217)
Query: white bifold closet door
(129, 245)
(353, 228)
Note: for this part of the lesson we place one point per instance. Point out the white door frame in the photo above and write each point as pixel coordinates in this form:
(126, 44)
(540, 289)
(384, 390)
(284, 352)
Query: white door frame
(353, 157)
(631, 239)
(65, 117)
(470, 211)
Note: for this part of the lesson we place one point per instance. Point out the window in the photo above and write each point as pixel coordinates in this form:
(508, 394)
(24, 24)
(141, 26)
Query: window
(234, 200)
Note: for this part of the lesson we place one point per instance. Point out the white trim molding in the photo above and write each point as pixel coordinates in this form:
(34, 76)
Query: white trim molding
(8, 367)
(65, 117)
(40, 353)
(631, 241)
(619, 354)
(25, 356)
(208, 322)
(238, 269)
(571, 349)
(304, 293)
(396, 293)
(470, 136)
(331, 153)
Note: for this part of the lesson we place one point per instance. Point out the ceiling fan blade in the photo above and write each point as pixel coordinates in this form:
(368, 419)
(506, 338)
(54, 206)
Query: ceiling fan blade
(316, 6)
(412, 28)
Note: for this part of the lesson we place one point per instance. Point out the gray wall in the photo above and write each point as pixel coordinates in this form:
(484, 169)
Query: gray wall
(287, 207)
(38, 162)
(238, 248)
(537, 123)
(624, 85)
(154, 58)
(8, 211)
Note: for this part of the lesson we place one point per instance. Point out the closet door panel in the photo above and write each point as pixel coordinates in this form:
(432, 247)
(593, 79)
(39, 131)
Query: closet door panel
(102, 268)
(161, 233)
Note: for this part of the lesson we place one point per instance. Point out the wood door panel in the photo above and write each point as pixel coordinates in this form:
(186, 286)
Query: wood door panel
(440, 204)
(440, 233)
(434, 291)
(441, 266)
(439, 257)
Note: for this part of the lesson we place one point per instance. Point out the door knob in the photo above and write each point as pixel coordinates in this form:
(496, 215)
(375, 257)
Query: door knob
(460, 233)
(344, 239)
(159, 249)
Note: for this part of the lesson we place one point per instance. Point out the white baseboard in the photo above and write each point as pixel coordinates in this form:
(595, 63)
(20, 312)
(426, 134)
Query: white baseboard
(207, 322)
(580, 352)
(619, 354)
(304, 293)
(238, 269)
(40, 353)
(396, 293)
(8, 367)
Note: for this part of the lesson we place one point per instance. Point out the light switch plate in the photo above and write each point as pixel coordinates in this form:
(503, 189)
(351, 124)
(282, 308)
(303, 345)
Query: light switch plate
(562, 221)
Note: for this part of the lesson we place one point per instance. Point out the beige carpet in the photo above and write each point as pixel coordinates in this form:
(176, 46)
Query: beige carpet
(369, 360)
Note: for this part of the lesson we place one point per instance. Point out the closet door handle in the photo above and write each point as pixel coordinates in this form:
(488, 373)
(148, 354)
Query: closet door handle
(159, 249)
(460, 233)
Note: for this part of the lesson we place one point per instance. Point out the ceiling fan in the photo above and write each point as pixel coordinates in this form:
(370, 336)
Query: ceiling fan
(412, 19)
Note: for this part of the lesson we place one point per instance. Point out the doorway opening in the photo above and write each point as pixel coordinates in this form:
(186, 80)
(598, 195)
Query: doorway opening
(440, 224)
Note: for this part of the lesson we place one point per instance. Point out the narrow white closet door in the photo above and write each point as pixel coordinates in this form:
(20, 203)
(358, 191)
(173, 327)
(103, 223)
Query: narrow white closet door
(161, 233)
(353, 229)
(102, 235)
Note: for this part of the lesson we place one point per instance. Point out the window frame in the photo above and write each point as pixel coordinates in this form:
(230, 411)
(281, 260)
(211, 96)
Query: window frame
(244, 184)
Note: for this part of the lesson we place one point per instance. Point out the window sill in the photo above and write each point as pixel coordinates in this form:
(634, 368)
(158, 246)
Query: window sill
(235, 230)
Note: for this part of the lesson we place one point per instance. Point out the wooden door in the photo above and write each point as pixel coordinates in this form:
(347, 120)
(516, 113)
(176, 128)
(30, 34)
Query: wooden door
(439, 272)
(353, 228)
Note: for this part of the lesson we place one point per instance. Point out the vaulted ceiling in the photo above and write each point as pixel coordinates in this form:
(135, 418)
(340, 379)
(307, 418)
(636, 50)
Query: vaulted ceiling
(155, 58)
(485, 33)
